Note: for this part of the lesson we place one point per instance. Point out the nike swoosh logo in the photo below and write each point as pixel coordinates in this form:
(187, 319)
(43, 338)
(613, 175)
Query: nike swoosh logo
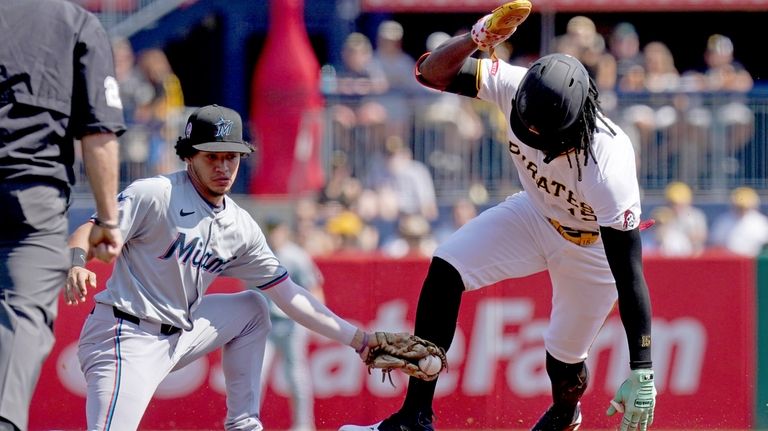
(184, 213)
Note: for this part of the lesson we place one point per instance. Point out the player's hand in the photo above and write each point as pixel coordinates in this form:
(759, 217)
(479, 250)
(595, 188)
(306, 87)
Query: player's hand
(636, 398)
(78, 281)
(105, 243)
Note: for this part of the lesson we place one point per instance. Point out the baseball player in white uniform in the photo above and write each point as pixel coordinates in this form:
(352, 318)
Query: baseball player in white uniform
(182, 231)
(577, 217)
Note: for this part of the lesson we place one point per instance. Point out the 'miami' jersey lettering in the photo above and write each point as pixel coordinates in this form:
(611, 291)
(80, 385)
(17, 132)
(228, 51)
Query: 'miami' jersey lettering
(190, 251)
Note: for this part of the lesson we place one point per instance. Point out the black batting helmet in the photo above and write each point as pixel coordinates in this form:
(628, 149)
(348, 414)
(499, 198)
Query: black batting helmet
(547, 109)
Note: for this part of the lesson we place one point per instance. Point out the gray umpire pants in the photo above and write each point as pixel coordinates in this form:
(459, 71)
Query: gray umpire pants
(33, 268)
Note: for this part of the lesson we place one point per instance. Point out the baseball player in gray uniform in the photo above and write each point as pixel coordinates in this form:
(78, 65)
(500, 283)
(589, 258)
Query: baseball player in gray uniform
(577, 217)
(181, 232)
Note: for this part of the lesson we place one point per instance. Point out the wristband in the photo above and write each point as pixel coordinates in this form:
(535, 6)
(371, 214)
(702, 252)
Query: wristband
(103, 224)
(364, 344)
(78, 256)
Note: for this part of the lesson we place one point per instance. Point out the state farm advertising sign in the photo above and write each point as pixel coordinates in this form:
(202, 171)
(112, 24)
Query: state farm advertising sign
(704, 355)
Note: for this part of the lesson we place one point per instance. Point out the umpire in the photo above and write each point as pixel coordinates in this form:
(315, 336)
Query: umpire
(56, 85)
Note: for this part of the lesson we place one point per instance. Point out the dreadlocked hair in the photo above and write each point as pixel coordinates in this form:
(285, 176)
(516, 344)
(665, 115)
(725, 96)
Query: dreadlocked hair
(586, 126)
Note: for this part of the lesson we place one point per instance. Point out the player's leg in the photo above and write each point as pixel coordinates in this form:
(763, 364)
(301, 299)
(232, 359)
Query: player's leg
(583, 294)
(239, 323)
(569, 381)
(299, 379)
(271, 350)
(498, 244)
(123, 364)
(33, 265)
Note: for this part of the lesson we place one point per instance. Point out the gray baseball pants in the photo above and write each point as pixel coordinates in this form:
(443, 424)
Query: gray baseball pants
(33, 268)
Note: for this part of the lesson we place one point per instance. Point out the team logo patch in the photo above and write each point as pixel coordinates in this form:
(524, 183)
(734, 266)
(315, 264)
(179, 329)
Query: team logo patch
(112, 93)
(494, 67)
(630, 221)
(223, 127)
(188, 130)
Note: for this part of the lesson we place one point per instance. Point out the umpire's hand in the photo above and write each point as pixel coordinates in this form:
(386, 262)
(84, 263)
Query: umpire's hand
(105, 242)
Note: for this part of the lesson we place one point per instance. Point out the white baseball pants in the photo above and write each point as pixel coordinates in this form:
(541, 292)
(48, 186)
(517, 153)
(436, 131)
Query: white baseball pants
(513, 240)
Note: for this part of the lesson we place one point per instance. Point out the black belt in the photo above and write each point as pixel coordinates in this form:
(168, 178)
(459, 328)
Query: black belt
(165, 328)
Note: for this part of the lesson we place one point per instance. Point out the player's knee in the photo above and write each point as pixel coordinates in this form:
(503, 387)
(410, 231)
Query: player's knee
(569, 381)
(258, 310)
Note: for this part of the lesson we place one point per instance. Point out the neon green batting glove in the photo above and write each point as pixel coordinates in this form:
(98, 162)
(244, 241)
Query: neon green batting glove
(636, 398)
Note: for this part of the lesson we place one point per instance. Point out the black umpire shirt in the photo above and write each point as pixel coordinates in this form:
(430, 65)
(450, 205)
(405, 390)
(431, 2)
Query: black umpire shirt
(56, 84)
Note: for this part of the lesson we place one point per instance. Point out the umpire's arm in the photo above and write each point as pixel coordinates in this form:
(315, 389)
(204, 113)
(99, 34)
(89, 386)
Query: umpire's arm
(625, 257)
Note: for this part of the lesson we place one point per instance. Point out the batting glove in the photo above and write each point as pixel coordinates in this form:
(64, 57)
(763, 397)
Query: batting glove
(498, 26)
(636, 398)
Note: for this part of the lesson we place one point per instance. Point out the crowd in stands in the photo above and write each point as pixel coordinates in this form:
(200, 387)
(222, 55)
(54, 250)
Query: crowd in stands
(392, 139)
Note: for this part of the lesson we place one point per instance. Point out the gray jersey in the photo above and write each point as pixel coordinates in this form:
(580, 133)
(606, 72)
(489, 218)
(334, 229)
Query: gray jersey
(176, 244)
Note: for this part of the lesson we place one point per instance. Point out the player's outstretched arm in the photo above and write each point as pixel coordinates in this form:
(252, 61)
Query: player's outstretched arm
(440, 67)
(308, 311)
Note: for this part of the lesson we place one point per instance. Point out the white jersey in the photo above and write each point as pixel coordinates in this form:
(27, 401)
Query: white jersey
(608, 193)
(176, 244)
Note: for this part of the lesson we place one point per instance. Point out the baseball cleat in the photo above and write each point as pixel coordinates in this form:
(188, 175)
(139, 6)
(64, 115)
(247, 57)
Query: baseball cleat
(397, 422)
(559, 419)
(505, 18)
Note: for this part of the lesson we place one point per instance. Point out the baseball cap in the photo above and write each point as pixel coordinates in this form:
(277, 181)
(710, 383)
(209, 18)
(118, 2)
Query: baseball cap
(217, 129)
(678, 192)
(390, 30)
(745, 197)
(720, 44)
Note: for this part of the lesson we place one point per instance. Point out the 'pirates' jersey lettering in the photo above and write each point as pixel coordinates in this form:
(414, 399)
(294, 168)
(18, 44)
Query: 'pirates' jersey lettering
(542, 184)
(191, 251)
(558, 188)
(554, 188)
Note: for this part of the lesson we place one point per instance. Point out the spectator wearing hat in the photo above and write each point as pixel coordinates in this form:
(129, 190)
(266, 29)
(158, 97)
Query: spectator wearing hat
(730, 116)
(398, 67)
(682, 229)
(743, 229)
(358, 118)
(414, 238)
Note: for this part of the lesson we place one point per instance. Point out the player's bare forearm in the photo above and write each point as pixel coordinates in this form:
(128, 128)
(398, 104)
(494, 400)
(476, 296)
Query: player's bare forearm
(100, 156)
(79, 238)
(442, 65)
(309, 312)
(623, 250)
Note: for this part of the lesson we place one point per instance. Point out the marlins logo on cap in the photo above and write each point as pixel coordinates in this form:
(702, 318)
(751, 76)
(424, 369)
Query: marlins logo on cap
(215, 128)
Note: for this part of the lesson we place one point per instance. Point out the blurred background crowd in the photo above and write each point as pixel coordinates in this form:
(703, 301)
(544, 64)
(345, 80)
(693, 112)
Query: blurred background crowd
(401, 166)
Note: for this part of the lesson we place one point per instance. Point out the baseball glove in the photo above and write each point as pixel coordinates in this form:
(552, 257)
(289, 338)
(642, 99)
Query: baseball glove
(402, 351)
(498, 26)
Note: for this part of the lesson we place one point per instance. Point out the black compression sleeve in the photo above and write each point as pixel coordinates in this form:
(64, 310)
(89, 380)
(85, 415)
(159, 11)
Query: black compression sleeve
(466, 82)
(624, 252)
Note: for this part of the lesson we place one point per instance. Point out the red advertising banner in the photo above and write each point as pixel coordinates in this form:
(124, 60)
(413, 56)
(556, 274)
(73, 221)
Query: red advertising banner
(433, 6)
(704, 354)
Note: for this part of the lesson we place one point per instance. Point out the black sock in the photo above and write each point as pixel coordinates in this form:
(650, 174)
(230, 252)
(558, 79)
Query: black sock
(436, 316)
(569, 381)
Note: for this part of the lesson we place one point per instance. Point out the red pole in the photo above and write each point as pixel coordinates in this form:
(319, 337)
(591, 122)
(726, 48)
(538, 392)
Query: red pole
(286, 107)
